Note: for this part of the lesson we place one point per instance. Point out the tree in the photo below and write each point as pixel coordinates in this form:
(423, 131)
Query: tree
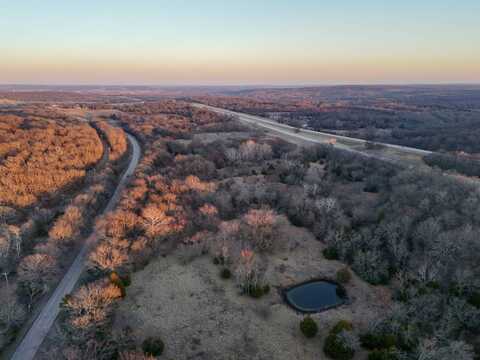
(156, 221)
(206, 217)
(11, 239)
(195, 184)
(371, 266)
(433, 349)
(117, 224)
(225, 240)
(88, 310)
(263, 223)
(247, 271)
(110, 254)
(12, 312)
(36, 272)
(67, 227)
(341, 343)
(249, 151)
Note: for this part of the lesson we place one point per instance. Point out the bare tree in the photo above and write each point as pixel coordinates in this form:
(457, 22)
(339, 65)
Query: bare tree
(12, 312)
(36, 272)
(262, 223)
(110, 254)
(432, 349)
(156, 221)
(247, 272)
(88, 309)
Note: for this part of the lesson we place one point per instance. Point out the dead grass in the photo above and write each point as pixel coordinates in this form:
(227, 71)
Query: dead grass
(201, 316)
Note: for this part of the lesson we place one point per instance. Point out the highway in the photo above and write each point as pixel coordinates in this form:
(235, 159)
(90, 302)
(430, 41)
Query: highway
(33, 339)
(389, 152)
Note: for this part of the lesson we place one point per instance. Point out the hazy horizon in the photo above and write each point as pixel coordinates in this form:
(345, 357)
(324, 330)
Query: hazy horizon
(248, 43)
(242, 85)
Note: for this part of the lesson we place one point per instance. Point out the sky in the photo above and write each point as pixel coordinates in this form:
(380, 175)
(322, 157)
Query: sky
(229, 42)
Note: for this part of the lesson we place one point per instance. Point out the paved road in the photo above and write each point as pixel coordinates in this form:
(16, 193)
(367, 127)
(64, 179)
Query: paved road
(292, 133)
(399, 155)
(42, 324)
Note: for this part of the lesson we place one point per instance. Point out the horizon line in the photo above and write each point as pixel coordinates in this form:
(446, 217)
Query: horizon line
(256, 85)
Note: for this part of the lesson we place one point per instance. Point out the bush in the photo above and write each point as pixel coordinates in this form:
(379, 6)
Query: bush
(383, 354)
(257, 291)
(309, 327)
(330, 253)
(344, 276)
(341, 292)
(335, 347)
(218, 260)
(377, 341)
(226, 273)
(153, 346)
(474, 299)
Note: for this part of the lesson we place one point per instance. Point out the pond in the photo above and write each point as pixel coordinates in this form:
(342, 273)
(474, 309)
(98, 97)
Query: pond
(315, 296)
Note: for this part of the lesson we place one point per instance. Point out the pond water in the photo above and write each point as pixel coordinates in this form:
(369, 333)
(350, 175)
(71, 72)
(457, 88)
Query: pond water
(314, 296)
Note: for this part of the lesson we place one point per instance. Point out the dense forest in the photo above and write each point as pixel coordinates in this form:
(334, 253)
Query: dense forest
(55, 175)
(432, 118)
(209, 187)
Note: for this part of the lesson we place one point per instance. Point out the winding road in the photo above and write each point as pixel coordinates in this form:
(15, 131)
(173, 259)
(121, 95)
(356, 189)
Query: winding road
(33, 339)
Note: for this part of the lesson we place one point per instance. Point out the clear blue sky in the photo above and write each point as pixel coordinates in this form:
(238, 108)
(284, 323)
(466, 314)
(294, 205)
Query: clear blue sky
(239, 42)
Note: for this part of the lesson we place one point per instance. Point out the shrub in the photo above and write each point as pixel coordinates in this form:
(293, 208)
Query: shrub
(153, 346)
(341, 292)
(219, 260)
(226, 273)
(344, 276)
(377, 341)
(309, 327)
(474, 299)
(336, 346)
(257, 291)
(330, 253)
(336, 349)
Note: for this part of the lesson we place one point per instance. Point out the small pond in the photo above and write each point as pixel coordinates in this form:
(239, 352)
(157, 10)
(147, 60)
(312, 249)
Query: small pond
(315, 296)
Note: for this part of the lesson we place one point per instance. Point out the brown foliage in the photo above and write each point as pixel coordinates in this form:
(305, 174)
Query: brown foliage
(66, 228)
(116, 138)
(118, 223)
(111, 254)
(40, 157)
(90, 307)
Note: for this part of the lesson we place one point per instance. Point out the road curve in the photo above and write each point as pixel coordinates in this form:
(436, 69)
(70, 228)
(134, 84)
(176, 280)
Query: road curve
(310, 135)
(32, 340)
